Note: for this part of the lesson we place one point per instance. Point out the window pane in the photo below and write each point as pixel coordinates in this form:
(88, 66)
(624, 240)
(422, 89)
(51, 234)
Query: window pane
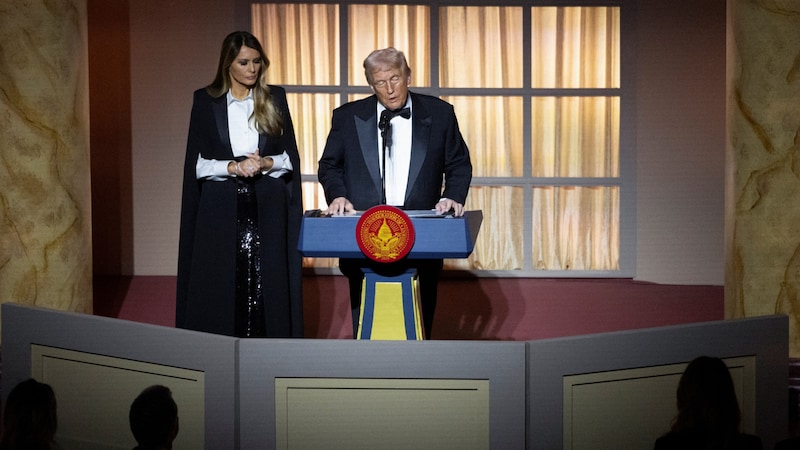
(404, 27)
(575, 47)
(301, 42)
(480, 47)
(575, 228)
(313, 196)
(499, 245)
(492, 128)
(311, 117)
(575, 136)
(532, 223)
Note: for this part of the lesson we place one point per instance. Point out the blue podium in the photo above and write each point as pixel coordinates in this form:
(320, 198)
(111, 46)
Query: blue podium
(390, 304)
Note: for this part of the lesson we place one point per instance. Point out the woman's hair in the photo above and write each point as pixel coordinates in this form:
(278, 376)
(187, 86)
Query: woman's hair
(30, 417)
(707, 400)
(387, 58)
(267, 116)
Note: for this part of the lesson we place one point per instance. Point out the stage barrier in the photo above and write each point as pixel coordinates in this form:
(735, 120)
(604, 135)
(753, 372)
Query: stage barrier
(610, 390)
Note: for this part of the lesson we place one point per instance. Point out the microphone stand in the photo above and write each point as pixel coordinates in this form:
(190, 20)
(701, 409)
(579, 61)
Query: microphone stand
(385, 126)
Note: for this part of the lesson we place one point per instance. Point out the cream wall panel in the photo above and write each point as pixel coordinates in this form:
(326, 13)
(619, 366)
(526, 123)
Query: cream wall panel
(98, 401)
(381, 413)
(597, 404)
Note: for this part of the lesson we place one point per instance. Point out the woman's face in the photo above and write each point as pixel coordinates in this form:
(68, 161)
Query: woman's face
(245, 69)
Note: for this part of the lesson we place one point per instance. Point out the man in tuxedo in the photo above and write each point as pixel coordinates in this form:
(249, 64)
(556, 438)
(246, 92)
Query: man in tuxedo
(427, 164)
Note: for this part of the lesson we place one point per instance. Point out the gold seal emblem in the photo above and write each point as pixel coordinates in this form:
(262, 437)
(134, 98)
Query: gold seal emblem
(385, 233)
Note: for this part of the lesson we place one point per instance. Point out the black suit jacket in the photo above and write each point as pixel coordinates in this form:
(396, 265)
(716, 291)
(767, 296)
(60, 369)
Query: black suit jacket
(350, 164)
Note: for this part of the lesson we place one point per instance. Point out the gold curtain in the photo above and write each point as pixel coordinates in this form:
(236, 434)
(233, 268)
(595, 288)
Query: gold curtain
(404, 27)
(575, 136)
(480, 46)
(301, 42)
(575, 47)
(486, 124)
(500, 241)
(564, 225)
(575, 228)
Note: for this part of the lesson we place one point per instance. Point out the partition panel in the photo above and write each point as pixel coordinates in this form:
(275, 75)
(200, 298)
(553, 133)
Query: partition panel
(295, 393)
(612, 390)
(382, 394)
(97, 366)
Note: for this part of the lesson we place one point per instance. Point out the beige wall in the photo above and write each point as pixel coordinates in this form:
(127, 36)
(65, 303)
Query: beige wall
(174, 50)
(680, 150)
(680, 88)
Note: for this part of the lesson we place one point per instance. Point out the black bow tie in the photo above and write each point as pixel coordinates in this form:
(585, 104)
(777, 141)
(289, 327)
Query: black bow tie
(405, 113)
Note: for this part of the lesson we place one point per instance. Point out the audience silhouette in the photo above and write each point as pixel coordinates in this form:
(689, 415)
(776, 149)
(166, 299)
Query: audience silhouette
(708, 411)
(154, 418)
(30, 417)
(792, 443)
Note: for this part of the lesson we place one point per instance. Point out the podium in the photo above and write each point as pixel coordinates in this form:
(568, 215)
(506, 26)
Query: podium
(390, 303)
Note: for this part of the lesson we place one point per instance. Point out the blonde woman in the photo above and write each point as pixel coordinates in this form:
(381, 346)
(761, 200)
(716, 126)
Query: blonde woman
(239, 270)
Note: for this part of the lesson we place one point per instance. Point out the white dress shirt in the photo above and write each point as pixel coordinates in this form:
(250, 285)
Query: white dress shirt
(398, 157)
(244, 140)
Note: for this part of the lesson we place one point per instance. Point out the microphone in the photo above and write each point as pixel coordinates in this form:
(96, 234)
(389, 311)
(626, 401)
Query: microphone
(383, 124)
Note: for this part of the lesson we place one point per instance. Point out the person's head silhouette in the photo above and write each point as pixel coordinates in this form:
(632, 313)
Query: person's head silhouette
(708, 411)
(30, 417)
(707, 399)
(154, 418)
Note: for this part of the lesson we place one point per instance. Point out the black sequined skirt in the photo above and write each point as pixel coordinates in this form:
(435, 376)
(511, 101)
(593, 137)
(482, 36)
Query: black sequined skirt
(250, 319)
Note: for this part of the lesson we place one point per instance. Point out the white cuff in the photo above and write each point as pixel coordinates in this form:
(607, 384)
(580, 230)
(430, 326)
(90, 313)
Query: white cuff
(281, 165)
(221, 169)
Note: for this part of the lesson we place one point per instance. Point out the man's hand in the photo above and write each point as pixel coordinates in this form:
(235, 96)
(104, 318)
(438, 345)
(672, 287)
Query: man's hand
(340, 206)
(445, 205)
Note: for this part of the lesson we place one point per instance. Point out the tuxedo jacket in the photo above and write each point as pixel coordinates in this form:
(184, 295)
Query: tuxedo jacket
(440, 163)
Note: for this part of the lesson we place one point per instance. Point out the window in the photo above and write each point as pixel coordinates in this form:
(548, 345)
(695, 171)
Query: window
(539, 97)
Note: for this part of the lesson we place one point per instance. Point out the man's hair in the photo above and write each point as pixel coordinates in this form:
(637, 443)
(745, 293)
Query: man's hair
(383, 59)
(153, 416)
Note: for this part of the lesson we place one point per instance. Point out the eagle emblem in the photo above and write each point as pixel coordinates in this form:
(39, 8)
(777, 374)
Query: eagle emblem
(385, 233)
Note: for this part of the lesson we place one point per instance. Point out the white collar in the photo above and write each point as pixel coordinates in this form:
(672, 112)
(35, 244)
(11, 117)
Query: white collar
(231, 98)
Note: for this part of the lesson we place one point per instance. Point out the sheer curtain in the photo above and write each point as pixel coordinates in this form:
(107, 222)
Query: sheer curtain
(301, 41)
(575, 227)
(404, 27)
(550, 196)
(302, 44)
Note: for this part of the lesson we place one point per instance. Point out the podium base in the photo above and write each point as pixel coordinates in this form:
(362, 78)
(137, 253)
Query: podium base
(390, 307)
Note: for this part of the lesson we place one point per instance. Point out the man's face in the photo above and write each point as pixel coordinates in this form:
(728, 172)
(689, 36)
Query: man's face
(391, 87)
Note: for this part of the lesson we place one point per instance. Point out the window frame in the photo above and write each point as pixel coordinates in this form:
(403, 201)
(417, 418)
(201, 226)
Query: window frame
(627, 135)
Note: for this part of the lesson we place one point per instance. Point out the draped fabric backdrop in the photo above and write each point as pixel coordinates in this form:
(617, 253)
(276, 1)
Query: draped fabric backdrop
(543, 128)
